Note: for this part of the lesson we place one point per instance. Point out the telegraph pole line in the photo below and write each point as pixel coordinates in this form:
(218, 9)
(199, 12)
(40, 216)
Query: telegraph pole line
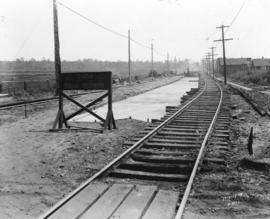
(152, 59)
(206, 64)
(207, 56)
(224, 53)
(129, 59)
(213, 59)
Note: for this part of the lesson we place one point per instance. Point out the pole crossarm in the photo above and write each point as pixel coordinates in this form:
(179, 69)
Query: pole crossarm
(223, 40)
(222, 26)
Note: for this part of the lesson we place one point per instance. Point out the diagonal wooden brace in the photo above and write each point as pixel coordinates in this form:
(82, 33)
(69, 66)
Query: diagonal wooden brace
(83, 107)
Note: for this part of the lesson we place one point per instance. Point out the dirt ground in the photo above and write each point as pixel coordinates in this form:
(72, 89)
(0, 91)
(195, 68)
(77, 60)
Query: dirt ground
(239, 191)
(39, 167)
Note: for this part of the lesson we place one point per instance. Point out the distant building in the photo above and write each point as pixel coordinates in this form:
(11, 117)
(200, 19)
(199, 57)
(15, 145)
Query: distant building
(260, 64)
(234, 64)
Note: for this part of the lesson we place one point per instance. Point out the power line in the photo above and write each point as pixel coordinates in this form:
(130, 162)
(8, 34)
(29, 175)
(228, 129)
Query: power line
(140, 44)
(211, 35)
(108, 29)
(236, 15)
(90, 20)
(29, 36)
(232, 22)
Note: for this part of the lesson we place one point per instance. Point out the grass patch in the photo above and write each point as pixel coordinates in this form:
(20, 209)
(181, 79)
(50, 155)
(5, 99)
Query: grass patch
(254, 77)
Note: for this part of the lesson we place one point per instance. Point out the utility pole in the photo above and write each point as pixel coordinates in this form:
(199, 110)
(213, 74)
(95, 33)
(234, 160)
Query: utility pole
(213, 60)
(209, 63)
(152, 59)
(129, 60)
(207, 57)
(175, 65)
(203, 65)
(224, 53)
(57, 60)
(168, 62)
(206, 64)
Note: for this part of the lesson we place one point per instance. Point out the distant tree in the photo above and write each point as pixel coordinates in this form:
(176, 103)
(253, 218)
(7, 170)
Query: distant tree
(45, 60)
(20, 59)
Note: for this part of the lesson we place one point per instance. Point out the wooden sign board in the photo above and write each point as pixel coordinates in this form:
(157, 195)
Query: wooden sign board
(86, 80)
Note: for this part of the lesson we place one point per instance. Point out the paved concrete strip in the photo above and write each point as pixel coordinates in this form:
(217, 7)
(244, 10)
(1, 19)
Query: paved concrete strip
(149, 105)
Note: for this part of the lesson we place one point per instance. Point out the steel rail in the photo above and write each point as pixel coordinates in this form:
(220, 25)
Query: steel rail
(44, 100)
(116, 160)
(181, 208)
(37, 101)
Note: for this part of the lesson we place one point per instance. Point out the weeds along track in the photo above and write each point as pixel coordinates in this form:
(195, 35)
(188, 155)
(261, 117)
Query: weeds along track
(153, 178)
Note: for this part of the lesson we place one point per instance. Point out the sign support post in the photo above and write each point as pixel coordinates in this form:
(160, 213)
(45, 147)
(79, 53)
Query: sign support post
(57, 62)
(79, 81)
(85, 81)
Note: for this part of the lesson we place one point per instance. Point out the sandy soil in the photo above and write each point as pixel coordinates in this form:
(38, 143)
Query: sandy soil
(238, 192)
(39, 167)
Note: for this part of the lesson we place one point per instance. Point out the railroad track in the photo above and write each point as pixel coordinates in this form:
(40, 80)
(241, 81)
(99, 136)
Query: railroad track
(153, 178)
(39, 101)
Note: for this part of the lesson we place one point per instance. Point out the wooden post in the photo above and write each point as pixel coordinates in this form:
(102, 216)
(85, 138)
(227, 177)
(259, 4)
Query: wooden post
(57, 64)
(24, 86)
(48, 84)
(25, 110)
(224, 57)
(110, 122)
(57, 60)
(250, 142)
(213, 61)
(224, 53)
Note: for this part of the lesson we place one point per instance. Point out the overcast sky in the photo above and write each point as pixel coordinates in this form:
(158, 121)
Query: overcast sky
(178, 27)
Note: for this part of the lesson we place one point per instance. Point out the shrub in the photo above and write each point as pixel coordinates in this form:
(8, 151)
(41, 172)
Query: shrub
(255, 77)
